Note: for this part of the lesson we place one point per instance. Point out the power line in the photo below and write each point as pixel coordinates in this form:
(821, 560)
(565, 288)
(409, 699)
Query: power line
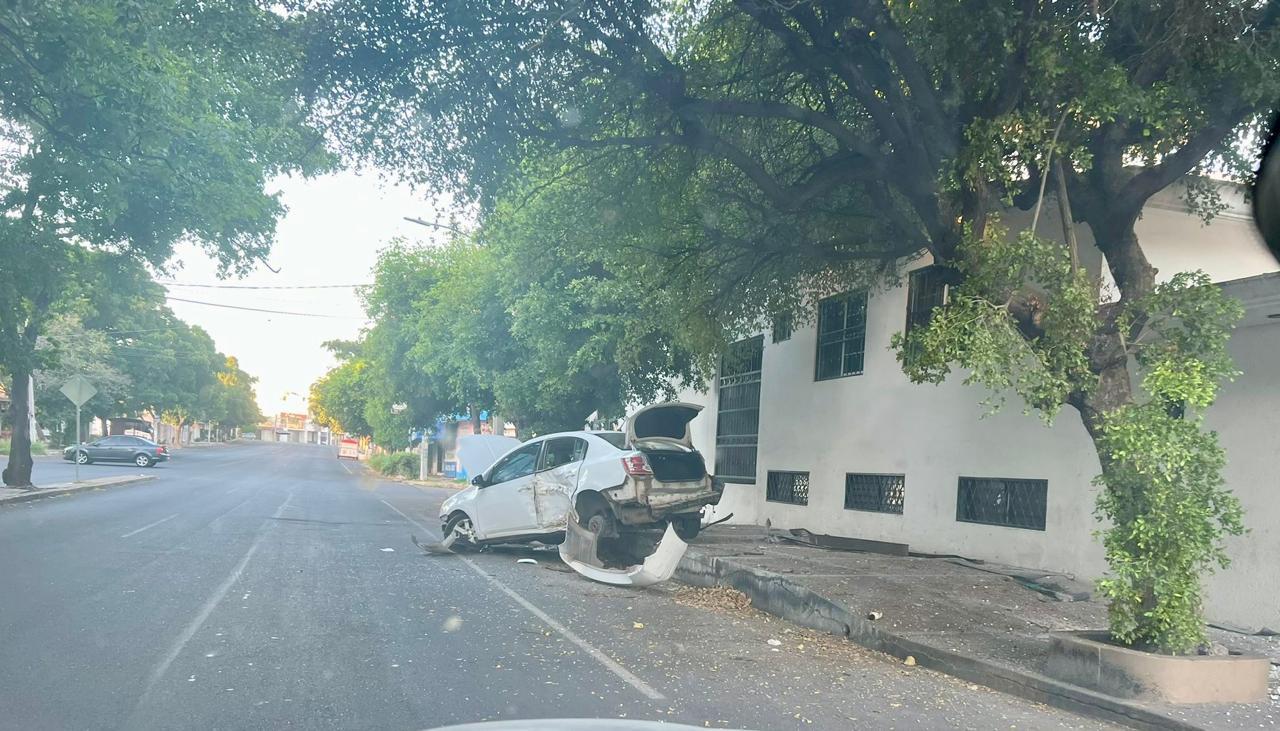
(259, 309)
(264, 286)
(147, 330)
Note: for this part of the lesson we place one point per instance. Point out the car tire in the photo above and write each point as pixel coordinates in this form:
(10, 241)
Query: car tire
(82, 457)
(463, 544)
(143, 460)
(687, 526)
(598, 518)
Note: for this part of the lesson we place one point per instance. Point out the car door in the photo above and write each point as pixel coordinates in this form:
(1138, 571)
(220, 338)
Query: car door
(102, 449)
(505, 505)
(130, 446)
(557, 479)
(120, 449)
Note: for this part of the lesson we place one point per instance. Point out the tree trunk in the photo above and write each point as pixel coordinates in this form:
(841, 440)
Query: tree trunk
(1109, 354)
(475, 419)
(1108, 349)
(18, 472)
(106, 429)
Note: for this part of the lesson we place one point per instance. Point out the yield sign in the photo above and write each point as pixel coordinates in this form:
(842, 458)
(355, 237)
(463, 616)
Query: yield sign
(78, 389)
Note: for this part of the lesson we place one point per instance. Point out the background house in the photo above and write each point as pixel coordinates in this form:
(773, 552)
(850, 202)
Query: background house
(826, 433)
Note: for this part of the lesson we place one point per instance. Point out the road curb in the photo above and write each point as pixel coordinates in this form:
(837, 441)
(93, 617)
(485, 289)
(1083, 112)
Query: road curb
(72, 488)
(782, 597)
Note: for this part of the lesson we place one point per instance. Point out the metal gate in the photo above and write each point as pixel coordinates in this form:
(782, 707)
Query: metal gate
(738, 413)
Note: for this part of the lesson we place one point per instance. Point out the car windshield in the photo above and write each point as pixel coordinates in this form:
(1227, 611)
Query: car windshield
(947, 334)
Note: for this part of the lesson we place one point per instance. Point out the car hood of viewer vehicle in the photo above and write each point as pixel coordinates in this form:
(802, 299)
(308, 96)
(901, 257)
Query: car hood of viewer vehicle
(478, 452)
(570, 724)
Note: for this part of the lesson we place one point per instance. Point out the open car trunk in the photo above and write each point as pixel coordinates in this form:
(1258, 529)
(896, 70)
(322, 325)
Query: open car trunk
(670, 465)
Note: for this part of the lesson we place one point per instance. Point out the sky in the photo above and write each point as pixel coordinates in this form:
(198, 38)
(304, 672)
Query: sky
(334, 228)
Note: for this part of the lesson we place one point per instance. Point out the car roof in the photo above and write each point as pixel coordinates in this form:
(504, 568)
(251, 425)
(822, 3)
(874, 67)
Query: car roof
(591, 436)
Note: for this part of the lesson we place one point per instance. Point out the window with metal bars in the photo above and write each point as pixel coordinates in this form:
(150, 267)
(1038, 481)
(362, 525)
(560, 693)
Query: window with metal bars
(738, 411)
(842, 334)
(788, 487)
(875, 493)
(926, 289)
(783, 324)
(1003, 501)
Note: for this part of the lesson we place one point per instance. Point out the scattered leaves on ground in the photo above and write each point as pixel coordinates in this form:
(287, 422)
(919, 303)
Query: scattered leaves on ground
(714, 597)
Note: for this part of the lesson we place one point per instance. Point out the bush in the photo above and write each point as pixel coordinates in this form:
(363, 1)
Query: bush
(37, 448)
(396, 464)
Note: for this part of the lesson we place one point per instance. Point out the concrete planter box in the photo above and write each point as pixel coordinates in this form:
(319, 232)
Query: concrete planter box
(1087, 659)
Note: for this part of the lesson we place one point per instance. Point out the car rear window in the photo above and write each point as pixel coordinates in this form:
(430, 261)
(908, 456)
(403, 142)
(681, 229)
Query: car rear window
(616, 438)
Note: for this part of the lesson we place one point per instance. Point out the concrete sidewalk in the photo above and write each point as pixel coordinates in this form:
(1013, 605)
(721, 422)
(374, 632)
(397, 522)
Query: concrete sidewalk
(9, 495)
(968, 619)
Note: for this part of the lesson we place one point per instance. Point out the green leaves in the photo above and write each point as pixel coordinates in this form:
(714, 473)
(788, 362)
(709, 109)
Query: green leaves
(1164, 498)
(1183, 348)
(1019, 321)
(1164, 494)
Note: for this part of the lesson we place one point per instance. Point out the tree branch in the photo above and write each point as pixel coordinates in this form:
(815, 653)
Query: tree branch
(1154, 178)
(844, 135)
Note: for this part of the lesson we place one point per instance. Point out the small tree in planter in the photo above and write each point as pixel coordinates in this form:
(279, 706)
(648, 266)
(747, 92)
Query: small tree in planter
(1163, 494)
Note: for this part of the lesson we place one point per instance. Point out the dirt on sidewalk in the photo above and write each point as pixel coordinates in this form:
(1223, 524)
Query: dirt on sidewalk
(989, 611)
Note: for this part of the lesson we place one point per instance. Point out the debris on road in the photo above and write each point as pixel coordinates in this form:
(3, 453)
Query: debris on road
(843, 543)
(637, 625)
(774, 643)
(910, 661)
(388, 550)
(579, 551)
(435, 549)
(873, 616)
(713, 597)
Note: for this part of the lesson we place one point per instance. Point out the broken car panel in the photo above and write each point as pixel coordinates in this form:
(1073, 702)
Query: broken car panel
(657, 567)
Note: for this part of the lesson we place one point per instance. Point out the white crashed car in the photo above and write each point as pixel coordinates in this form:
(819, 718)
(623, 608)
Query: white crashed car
(646, 477)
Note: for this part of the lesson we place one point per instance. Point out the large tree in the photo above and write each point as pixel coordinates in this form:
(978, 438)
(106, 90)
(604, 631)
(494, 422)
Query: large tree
(229, 402)
(129, 126)
(68, 348)
(338, 398)
(868, 130)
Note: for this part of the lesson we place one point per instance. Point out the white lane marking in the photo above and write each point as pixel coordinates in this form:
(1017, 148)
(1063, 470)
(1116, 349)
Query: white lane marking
(344, 466)
(150, 525)
(157, 673)
(612, 665)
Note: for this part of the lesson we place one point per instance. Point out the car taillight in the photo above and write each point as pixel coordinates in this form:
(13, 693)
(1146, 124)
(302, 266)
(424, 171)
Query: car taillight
(159, 450)
(636, 465)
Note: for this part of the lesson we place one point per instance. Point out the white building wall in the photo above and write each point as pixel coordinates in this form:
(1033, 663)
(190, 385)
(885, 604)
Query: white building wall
(1247, 419)
(879, 422)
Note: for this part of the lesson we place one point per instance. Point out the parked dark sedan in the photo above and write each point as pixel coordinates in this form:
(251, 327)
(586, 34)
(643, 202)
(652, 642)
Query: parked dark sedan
(142, 452)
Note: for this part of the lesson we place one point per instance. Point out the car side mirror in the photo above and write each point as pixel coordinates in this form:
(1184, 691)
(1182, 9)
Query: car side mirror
(478, 481)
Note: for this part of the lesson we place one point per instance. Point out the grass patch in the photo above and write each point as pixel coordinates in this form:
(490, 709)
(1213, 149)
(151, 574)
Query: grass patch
(37, 448)
(397, 464)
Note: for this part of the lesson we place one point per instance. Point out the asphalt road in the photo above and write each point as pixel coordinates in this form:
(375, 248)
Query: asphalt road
(272, 586)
